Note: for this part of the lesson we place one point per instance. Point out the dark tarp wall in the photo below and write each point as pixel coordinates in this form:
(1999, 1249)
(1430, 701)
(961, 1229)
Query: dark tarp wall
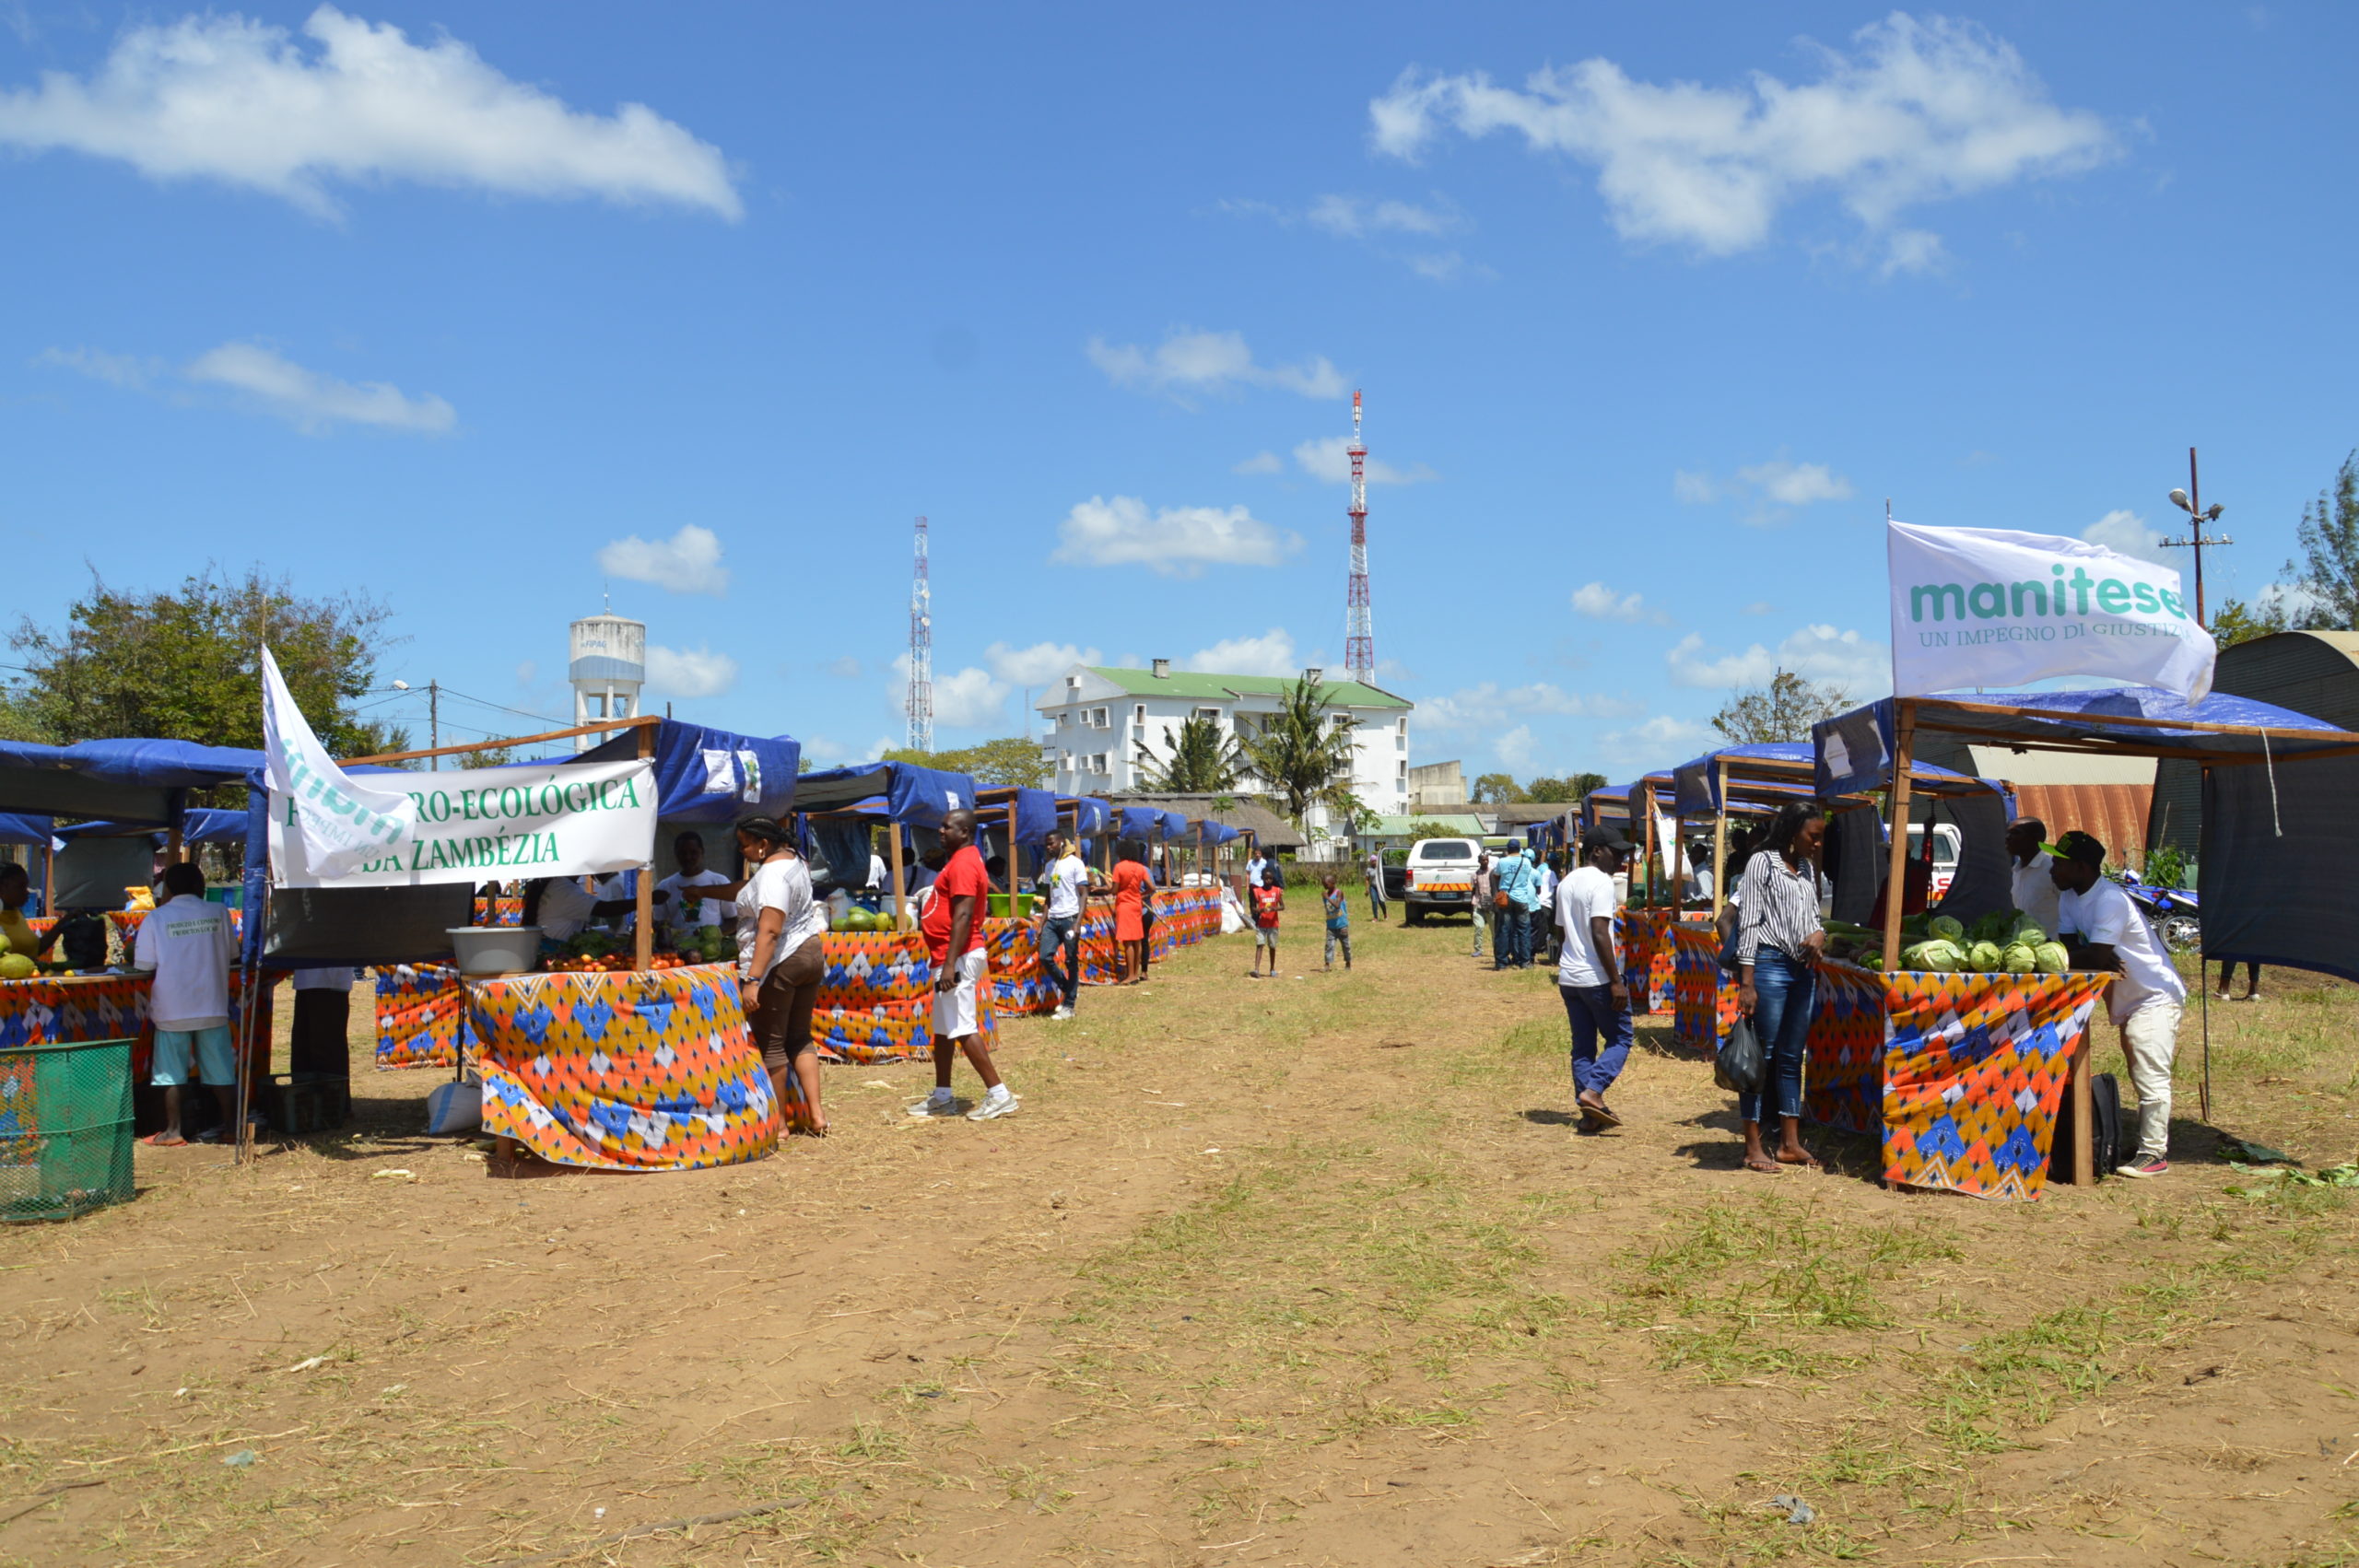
(318, 926)
(2283, 898)
(1984, 881)
(1857, 843)
(93, 872)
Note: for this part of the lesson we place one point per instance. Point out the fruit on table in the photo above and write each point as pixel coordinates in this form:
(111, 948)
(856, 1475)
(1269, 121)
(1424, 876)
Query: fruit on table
(16, 966)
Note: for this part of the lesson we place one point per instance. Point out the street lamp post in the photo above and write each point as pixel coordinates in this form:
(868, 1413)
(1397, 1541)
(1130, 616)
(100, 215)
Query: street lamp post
(2191, 501)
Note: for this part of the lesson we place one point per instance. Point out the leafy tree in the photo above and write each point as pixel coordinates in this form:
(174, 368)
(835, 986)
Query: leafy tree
(1498, 788)
(1424, 827)
(486, 757)
(1203, 760)
(1783, 710)
(2236, 621)
(181, 665)
(2328, 574)
(1555, 790)
(1302, 754)
(1587, 784)
(1012, 760)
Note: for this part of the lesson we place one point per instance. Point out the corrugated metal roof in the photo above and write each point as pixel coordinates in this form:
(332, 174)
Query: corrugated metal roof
(1188, 684)
(2115, 813)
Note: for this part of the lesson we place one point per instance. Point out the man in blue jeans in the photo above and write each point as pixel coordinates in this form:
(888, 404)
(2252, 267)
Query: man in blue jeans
(1589, 975)
(1513, 876)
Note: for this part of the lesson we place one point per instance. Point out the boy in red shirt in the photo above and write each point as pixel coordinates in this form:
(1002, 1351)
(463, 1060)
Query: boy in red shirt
(953, 926)
(1269, 899)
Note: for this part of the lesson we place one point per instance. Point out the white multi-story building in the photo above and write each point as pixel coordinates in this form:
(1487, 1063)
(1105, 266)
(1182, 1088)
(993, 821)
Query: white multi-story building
(1106, 729)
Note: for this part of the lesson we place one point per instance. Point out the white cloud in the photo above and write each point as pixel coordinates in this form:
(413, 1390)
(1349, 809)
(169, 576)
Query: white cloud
(1919, 112)
(1189, 361)
(1174, 540)
(312, 401)
(1329, 459)
(1913, 250)
(527, 672)
(970, 698)
(1795, 483)
(846, 668)
(123, 370)
(1844, 659)
(1272, 653)
(2125, 532)
(1260, 463)
(1516, 748)
(1491, 707)
(1039, 664)
(1600, 602)
(1694, 489)
(688, 562)
(244, 102)
(690, 672)
(1657, 742)
(1356, 217)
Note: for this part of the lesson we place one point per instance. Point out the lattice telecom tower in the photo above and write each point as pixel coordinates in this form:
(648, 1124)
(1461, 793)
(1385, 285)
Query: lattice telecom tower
(1359, 622)
(921, 702)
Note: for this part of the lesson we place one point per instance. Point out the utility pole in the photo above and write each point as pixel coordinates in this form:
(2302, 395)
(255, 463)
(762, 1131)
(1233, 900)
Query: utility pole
(2191, 501)
(434, 723)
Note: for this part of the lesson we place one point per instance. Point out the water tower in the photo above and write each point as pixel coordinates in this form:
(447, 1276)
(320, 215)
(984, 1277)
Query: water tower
(607, 662)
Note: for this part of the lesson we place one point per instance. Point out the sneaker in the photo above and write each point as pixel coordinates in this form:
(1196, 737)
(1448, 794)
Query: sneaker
(998, 1102)
(940, 1102)
(1061, 1014)
(2145, 1166)
(2253, 996)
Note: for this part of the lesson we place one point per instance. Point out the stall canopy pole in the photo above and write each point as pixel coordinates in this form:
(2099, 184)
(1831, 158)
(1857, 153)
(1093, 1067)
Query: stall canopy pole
(893, 841)
(643, 955)
(1647, 793)
(1720, 844)
(1678, 859)
(1896, 853)
(1013, 854)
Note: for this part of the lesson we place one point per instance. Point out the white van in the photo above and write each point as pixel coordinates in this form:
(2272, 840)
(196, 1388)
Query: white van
(1947, 843)
(1440, 879)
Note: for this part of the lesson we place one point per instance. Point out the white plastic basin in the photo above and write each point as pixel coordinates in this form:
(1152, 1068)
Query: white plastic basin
(486, 951)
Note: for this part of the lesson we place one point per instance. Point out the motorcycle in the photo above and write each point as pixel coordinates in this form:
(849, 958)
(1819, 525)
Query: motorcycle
(2176, 912)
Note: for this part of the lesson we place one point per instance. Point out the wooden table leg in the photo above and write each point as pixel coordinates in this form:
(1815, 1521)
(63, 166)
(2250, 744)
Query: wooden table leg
(2084, 1163)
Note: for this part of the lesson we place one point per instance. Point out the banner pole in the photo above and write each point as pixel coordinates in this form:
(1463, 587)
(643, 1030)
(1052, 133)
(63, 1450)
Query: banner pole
(893, 842)
(1721, 846)
(1897, 854)
(643, 950)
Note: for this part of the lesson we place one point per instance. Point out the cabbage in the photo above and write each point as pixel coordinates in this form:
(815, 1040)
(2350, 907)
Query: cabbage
(2029, 934)
(2018, 959)
(1983, 956)
(2049, 958)
(1936, 957)
(1946, 927)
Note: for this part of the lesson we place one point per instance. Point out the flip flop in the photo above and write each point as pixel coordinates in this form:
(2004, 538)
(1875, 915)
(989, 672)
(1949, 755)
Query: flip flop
(158, 1140)
(1603, 1116)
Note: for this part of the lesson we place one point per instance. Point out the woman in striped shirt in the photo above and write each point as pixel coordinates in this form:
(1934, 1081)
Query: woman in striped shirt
(1778, 938)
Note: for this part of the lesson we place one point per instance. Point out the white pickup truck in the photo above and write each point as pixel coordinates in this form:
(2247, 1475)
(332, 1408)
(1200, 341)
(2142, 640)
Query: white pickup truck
(1440, 878)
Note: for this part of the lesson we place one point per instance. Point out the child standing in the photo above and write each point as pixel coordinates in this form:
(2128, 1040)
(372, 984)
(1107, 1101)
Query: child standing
(1269, 901)
(1339, 920)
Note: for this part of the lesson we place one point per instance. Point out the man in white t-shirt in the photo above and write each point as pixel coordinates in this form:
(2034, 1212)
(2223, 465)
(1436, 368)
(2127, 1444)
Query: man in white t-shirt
(561, 908)
(1057, 930)
(186, 944)
(673, 908)
(1589, 974)
(2034, 890)
(2146, 998)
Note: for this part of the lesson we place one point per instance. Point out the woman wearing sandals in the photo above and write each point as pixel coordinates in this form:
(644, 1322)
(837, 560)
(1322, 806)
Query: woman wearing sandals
(1778, 938)
(778, 957)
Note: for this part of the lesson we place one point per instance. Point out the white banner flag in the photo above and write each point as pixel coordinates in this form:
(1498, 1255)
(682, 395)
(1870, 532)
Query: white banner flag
(343, 822)
(1991, 607)
(491, 825)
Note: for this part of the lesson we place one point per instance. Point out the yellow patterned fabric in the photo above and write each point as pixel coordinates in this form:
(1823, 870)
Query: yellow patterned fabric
(629, 1071)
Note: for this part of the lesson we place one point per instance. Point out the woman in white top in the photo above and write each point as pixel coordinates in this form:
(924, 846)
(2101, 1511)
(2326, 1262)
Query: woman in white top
(779, 959)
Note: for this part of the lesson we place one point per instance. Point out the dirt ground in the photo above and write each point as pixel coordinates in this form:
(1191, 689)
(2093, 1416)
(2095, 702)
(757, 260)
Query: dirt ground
(1311, 1271)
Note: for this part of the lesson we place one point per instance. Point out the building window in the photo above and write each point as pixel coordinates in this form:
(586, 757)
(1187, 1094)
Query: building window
(1210, 713)
(1100, 719)
(1139, 713)
(1064, 720)
(1402, 725)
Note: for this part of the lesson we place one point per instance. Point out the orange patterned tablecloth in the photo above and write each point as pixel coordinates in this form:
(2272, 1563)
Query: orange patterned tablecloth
(629, 1071)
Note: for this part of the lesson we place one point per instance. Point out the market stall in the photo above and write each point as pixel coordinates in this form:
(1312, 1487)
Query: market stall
(1967, 1077)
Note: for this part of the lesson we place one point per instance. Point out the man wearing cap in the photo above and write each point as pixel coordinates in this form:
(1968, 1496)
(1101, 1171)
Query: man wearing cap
(1589, 975)
(2107, 931)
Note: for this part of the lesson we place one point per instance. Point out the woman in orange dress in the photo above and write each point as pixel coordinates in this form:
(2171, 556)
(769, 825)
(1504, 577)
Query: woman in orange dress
(1130, 918)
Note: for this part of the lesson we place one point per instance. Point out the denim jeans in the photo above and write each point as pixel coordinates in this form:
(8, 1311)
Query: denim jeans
(1788, 992)
(1511, 938)
(1339, 935)
(1374, 898)
(1590, 1011)
(1060, 936)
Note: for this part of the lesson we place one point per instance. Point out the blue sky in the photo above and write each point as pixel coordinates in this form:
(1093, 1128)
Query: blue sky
(1653, 307)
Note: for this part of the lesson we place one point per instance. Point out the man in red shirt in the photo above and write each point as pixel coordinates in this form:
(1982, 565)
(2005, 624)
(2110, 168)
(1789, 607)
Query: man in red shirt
(953, 926)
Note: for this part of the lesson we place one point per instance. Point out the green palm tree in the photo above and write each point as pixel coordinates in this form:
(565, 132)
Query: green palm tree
(1202, 761)
(1303, 754)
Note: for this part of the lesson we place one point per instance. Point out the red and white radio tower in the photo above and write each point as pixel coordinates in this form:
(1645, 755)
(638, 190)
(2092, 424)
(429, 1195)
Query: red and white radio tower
(1359, 624)
(921, 701)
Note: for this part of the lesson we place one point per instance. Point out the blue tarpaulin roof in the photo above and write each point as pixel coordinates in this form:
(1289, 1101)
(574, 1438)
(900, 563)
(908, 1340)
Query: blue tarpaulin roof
(1036, 812)
(1140, 824)
(913, 795)
(1093, 813)
(1175, 825)
(1774, 771)
(17, 828)
(711, 776)
(1853, 751)
(135, 780)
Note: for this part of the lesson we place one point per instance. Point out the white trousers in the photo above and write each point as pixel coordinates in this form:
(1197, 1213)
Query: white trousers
(2150, 1039)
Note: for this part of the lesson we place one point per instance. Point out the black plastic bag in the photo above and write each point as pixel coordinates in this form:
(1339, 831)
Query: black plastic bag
(1740, 1068)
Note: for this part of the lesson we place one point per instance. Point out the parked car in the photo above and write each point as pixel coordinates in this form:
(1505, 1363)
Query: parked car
(1440, 879)
(1947, 846)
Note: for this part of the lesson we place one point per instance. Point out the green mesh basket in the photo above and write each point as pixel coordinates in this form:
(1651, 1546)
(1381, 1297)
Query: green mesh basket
(64, 1129)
